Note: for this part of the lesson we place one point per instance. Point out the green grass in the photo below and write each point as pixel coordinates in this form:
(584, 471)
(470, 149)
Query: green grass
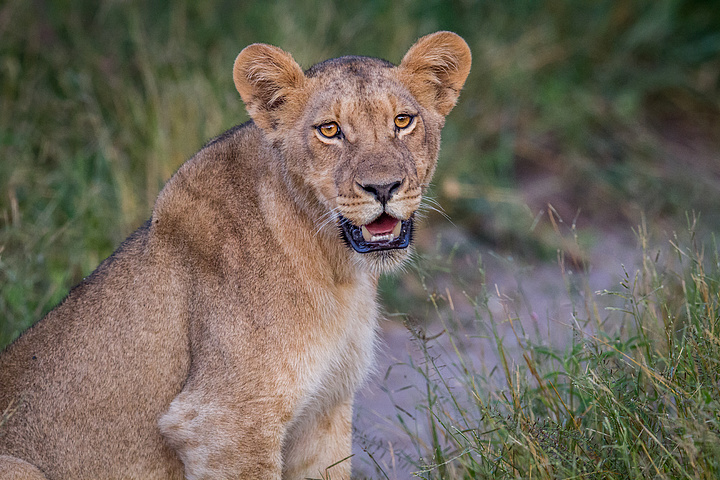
(635, 394)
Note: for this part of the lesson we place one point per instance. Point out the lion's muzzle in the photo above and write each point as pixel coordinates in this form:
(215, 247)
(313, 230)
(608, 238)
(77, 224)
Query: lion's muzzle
(384, 233)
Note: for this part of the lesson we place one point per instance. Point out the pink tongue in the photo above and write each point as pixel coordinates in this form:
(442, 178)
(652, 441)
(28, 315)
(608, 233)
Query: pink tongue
(383, 225)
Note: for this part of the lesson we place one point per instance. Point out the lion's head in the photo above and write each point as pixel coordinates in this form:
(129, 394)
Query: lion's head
(359, 136)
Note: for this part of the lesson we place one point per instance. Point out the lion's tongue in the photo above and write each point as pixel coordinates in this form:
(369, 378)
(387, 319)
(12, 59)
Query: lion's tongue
(384, 226)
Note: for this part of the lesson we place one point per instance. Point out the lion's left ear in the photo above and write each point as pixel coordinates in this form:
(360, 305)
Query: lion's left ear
(435, 69)
(266, 76)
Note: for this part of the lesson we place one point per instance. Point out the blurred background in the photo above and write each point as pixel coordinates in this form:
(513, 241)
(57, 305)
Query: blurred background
(595, 115)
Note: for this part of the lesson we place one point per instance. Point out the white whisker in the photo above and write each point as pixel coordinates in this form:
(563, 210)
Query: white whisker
(328, 218)
(425, 207)
(434, 201)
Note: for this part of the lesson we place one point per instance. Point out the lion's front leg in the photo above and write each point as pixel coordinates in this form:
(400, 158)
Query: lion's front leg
(223, 440)
(319, 446)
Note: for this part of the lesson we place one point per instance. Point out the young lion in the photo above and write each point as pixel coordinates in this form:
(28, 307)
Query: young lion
(227, 336)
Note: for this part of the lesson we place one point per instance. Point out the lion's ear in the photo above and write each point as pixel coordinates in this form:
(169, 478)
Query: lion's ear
(265, 76)
(435, 69)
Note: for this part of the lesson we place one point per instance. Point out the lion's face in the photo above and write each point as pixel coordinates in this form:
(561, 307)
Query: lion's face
(362, 134)
(370, 149)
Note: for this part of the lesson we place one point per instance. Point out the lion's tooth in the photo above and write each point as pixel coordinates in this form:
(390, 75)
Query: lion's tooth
(396, 230)
(366, 234)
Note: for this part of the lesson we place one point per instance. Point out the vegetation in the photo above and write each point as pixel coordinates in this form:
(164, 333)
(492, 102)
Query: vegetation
(633, 395)
(604, 109)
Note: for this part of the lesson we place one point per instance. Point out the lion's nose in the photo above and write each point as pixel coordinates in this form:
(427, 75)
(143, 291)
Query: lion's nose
(383, 193)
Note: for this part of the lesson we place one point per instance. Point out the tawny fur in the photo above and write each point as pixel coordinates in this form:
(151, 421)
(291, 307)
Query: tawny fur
(227, 336)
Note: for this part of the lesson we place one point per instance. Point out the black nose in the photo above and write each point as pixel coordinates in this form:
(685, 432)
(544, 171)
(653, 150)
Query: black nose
(384, 192)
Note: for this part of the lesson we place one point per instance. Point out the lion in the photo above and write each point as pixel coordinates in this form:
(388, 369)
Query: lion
(227, 336)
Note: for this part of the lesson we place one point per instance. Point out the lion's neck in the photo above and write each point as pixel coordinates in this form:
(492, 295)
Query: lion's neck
(306, 231)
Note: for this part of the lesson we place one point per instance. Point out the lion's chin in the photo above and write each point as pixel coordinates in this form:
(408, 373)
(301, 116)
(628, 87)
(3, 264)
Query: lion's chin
(384, 233)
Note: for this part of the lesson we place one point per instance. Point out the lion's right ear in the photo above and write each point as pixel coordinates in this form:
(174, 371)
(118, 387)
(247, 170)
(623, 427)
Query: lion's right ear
(265, 76)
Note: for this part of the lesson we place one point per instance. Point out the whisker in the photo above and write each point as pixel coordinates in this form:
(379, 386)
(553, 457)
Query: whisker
(326, 219)
(332, 216)
(434, 201)
(425, 207)
(328, 215)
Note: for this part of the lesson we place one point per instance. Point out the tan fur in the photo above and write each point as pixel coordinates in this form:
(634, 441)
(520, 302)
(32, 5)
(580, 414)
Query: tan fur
(227, 336)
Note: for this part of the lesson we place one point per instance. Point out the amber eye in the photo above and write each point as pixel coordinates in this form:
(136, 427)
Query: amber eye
(403, 120)
(329, 130)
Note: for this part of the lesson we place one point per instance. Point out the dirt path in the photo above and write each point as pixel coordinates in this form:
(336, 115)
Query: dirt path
(545, 302)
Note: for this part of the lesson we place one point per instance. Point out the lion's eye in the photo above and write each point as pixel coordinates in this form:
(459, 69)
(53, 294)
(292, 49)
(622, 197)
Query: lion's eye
(329, 130)
(403, 120)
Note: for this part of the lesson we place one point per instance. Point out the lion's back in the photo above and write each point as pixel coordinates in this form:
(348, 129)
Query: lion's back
(101, 367)
(118, 340)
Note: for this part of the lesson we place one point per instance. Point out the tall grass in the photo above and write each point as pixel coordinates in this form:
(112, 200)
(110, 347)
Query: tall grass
(635, 394)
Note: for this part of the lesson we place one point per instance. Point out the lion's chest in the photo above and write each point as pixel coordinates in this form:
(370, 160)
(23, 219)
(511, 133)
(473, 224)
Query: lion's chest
(339, 354)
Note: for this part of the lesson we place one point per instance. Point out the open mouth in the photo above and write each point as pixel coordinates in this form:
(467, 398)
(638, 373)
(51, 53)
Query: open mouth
(384, 233)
